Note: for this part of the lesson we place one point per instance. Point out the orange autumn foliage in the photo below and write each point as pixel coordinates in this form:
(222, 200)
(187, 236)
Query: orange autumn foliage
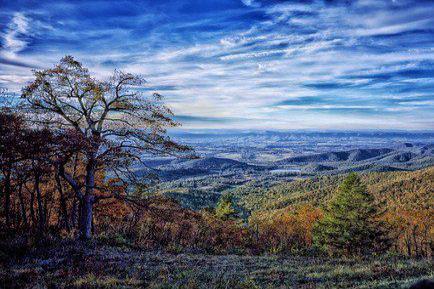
(161, 223)
(285, 230)
(413, 231)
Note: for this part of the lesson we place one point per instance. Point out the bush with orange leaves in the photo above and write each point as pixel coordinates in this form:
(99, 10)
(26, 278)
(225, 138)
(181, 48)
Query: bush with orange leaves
(112, 213)
(413, 231)
(286, 230)
(161, 223)
(226, 236)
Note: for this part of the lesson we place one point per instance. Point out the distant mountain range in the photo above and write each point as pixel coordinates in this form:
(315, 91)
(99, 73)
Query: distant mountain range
(343, 156)
(407, 157)
(209, 164)
(404, 157)
(181, 168)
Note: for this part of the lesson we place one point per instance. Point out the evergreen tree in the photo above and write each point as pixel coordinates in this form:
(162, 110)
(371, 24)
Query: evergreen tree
(351, 223)
(225, 208)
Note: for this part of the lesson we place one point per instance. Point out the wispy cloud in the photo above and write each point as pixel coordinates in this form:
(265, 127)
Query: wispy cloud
(291, 64)
(13, 38)
(251, 3)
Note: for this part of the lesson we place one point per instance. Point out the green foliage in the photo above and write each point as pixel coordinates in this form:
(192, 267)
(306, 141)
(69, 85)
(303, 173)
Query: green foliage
(404, 190)
(225, 208)
(351, 223)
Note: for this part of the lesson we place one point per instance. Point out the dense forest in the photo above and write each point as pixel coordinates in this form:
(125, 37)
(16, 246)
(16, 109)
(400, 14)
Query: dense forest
(406, 198)
(68, 149)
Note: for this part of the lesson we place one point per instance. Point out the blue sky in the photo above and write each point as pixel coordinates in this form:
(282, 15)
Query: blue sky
(247, 64)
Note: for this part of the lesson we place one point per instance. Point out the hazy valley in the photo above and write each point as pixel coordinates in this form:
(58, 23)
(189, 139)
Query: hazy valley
(229, 160)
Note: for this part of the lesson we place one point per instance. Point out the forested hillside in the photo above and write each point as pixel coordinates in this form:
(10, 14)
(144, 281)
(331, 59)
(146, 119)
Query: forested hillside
(291, 209)
(406, 190)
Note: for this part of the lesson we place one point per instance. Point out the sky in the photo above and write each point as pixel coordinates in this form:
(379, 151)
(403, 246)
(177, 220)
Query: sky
(243, 64)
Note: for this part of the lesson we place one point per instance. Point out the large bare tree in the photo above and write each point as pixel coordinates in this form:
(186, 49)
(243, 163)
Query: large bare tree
(111, 123)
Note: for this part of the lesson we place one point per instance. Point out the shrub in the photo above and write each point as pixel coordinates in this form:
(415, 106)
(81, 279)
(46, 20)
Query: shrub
(161, 223)
(286, 230)
(413, 231)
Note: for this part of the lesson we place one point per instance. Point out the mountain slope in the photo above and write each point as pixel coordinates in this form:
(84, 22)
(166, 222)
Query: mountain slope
(363, 160)
(208, 163)
(351, 155)
(204, 166)
(408, 189)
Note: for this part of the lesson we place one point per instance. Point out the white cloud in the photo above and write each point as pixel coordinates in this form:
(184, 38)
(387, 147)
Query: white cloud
(392, 29)
(245, 71)
(251, 3)
(13, 41)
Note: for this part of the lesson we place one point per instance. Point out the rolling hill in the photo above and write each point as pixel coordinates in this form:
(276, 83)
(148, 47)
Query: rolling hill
(407, 157)
(204, 166)
(405, 189)
(342, 156)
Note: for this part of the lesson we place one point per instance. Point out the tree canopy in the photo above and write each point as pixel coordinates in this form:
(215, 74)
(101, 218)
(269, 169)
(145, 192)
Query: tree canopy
(109, 123)
(351, 223)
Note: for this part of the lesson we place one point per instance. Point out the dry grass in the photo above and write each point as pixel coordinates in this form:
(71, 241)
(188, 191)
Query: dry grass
(98, 266)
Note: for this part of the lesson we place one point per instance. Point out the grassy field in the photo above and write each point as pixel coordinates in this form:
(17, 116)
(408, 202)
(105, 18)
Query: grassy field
(100, 266)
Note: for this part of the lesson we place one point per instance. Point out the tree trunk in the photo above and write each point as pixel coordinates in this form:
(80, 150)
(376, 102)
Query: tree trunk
(32, 207)
(74, 213)
(7, 192)
(416, 245)
(63, 212)
(41, 220)
(22, 205)
(88, 200)
(86, 215)
(408, 242)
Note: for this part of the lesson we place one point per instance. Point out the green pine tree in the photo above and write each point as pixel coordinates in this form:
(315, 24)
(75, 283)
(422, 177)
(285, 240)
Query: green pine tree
(351, 223)
(225, 208)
